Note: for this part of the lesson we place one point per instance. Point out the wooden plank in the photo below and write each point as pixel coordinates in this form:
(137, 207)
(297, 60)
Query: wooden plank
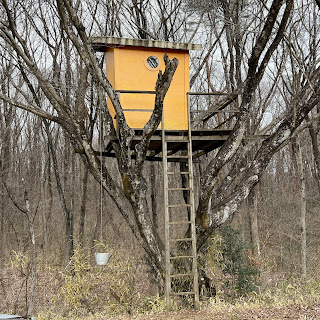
(136, 91)
(133, 156)
(180, 275)
(183, 293)
(176, 139)
(180, 239)
(184, 205)
(195, 132)
(177, 157)
(179, 222)
(179, 172)
(212, 94)
(138, 110)
(181, 257)
(216, 111)
(194, 138)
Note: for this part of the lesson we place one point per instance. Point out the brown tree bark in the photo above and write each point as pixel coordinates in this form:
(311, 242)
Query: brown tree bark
(303, 209)
(83, 206)
(313, 131)
(6, 144)
(253, 218)
(153, 187)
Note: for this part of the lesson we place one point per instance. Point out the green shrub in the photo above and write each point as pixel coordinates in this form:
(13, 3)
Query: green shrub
(235, 263)
(224, 260)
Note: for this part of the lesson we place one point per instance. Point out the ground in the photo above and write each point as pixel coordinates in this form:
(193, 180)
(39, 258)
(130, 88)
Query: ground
(236, 313)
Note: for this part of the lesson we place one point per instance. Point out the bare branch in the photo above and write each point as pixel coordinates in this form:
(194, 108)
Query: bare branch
(31, 108)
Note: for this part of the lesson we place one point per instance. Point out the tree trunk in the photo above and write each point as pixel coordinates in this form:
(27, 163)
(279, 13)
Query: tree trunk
(313, 131)
(33, 254)
(303, 211)
(5, 161)
(83, 205)
(66, 211)
(153, 178)
(253, 217)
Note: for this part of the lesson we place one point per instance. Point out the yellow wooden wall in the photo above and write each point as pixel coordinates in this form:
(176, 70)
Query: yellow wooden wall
(127, 69)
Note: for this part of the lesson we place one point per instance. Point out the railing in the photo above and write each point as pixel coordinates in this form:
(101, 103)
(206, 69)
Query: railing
(205, 116)
(135, 91)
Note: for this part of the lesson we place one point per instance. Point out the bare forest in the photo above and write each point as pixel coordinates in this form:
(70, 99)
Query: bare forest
(257, 196)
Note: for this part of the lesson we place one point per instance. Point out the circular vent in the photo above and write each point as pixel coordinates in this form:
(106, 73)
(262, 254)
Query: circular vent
(153, 62)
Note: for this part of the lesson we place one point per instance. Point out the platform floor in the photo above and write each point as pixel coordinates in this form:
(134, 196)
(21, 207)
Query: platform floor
(203, 141)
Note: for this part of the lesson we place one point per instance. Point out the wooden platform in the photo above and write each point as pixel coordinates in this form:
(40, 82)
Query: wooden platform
(203, 141)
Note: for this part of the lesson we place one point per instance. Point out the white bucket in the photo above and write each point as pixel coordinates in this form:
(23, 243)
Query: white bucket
(102, 258)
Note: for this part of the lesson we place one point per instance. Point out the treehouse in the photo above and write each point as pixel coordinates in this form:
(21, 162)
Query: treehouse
(132, 67)
(193, 124)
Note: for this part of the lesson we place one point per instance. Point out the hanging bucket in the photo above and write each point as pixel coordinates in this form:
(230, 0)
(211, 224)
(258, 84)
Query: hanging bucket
(102, 258)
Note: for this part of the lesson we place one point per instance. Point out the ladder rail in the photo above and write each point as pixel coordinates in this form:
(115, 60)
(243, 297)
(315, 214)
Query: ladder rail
(191, 216)
(192, 211)
(166, 217)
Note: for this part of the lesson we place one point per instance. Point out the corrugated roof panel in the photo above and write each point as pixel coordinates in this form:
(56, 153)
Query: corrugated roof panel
(101, 43)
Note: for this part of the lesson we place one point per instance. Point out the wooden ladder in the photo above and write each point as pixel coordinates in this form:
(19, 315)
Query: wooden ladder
(170, 220)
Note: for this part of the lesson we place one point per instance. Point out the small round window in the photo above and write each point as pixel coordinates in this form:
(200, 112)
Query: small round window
(153, 62)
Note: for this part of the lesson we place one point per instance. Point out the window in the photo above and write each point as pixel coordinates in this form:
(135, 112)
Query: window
(153, 62)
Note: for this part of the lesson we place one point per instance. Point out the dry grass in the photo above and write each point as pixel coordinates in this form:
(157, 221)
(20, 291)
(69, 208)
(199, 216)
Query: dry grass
(287, 301)
(241, 313)
(221, 312)
(122, 289)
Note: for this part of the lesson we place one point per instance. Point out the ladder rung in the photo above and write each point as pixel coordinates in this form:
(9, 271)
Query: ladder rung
(179, 222)
(179, 205)
(181, 239)
(181, 257)
(182, 293)
(185, 155)
(183, 139)
(179, 172)
(178, 157)
(180, 275)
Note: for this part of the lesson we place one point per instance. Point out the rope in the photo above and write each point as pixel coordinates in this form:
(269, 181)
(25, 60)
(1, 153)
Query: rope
(101, 188)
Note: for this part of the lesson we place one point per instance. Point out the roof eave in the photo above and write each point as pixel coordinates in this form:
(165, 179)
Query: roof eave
(101, 43)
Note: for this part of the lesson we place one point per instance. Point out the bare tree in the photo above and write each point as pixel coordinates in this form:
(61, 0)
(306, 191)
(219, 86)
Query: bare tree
(303, 211)
(229, 174)
(253, 216)
(30, 217)
(130, 197)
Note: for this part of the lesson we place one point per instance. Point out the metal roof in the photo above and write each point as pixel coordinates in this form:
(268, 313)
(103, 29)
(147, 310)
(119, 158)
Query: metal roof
(101, 43)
